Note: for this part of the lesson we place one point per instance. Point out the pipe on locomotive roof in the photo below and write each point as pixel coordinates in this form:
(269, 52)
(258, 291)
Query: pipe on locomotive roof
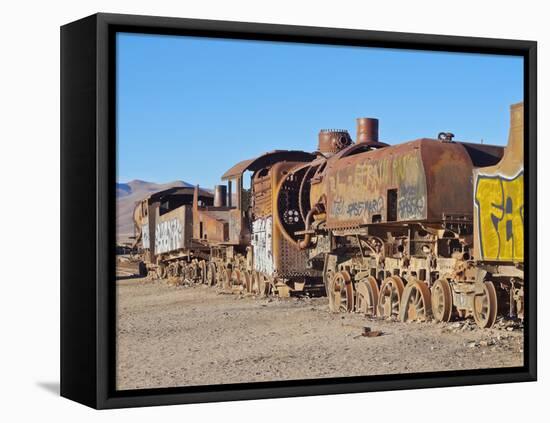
(367, 130)
(331, 141)
(220, 196)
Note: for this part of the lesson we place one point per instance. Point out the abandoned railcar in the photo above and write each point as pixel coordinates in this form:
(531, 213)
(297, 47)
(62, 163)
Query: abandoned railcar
(163, 226)
(426, 228)
(394, 228)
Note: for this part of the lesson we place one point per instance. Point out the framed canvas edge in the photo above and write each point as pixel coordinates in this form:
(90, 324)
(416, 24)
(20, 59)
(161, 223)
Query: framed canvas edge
(105, 166)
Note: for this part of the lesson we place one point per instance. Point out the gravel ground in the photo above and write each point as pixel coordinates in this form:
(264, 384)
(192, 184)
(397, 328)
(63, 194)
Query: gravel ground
(194, 335)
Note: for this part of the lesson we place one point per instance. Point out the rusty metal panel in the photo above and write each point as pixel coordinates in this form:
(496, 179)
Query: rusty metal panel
(235, 226)
(215, 225)
(499, 200)
(262, 195)
(448, 168)
(173, 230)
(357, 186)
(145, 240)
(288, 258)
(422, 180)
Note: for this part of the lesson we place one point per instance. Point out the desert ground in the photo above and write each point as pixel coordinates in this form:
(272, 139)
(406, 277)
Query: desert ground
(196, 335)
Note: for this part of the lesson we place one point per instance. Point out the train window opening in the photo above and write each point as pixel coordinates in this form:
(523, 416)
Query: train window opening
(246, 190)
(233, 192)
(392, 205)
(164, 207)
(247, 179)
(200, 230)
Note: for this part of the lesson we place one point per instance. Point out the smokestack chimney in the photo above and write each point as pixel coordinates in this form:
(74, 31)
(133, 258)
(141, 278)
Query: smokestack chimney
(220, 195)
(367, 130)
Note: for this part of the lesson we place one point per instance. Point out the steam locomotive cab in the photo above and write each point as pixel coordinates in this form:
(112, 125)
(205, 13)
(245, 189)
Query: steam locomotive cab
(257, 258)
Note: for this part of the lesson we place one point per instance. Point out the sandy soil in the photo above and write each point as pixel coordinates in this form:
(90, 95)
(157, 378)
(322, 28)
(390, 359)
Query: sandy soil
(195, 335)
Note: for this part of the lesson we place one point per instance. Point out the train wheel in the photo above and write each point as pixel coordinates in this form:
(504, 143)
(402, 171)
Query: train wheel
(254, 283)
(224, 280)
(327, 280)
(236, 280)
(389, 299)
(170, 271)
(247, 281)
(202, 271)
(341, 297)
(211, 274)
(187, 272)
(367, 296)
(416, 304)
(194, 272)
(485, 306)
(161, 271)
(264, 285)
(219, 276)
(442, 301)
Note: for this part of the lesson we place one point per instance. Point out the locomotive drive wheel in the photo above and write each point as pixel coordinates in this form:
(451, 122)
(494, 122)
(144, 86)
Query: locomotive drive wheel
(389, 299)
(161, 271)
(442, 301)
(264, 285)
(224, 281)
(188, 273)
(237, 280)
(211, 274)
(416, 304)
(254, 283)
(367, 296)
(247, 281)
(202, 266)
(485, 306)
(341, 297)
(195, 272)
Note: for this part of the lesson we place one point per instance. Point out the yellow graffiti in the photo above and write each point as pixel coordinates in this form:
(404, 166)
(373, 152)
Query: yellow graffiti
(500, 205)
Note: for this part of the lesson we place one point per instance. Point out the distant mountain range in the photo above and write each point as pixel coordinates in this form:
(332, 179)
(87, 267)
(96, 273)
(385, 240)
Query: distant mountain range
(127, 195)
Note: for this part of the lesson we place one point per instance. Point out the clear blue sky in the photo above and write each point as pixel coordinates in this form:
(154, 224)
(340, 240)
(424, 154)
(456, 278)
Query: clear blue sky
(190, 108)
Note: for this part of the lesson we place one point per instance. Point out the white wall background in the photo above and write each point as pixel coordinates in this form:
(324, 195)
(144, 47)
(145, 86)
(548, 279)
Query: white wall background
(29, 165)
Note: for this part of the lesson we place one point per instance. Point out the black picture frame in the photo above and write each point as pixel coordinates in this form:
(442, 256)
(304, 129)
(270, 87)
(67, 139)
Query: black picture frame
(88, 209)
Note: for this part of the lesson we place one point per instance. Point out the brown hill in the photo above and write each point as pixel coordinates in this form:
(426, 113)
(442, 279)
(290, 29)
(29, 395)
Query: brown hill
(127, 195)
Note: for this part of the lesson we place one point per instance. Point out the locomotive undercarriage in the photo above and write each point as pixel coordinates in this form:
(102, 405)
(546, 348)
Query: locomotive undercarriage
(415, 273)
(230, 268)
(369, 271)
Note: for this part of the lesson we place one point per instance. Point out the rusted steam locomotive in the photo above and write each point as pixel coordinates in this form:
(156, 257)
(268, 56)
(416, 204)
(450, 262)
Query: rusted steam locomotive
(427, 228)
